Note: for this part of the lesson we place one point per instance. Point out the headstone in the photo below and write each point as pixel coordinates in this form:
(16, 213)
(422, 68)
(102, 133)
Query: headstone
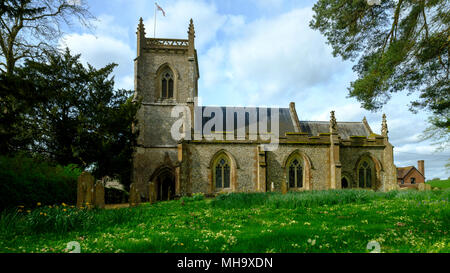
(99, 196)
(284, 187)
(152, 192)
(135, 197)
(85, 190)
(421, 187)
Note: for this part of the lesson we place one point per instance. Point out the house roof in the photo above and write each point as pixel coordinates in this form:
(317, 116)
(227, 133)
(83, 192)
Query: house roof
(402, 172)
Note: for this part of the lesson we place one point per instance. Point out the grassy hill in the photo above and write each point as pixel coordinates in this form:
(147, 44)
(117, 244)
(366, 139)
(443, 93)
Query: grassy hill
(442, 184)
(324, 221)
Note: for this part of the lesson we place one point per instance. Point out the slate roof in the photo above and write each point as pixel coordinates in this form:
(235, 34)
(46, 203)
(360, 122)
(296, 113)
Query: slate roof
(345, 129)
(313, 128)
(286, 123)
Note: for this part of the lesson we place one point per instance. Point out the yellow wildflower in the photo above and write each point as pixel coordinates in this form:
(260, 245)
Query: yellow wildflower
(39, 204)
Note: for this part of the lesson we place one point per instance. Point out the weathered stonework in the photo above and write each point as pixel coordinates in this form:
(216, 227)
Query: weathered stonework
(99, 195)
(85, 190)
(330, 153)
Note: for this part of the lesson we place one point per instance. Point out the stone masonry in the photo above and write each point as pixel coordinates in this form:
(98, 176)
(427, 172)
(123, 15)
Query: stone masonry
(322, 154)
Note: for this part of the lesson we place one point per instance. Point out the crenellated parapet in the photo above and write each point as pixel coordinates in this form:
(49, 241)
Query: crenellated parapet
(166, 44)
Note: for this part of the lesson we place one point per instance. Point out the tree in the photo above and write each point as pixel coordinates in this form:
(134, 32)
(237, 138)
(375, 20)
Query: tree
(83, 119)
(18, 99)
(402, 45)
(30, 28)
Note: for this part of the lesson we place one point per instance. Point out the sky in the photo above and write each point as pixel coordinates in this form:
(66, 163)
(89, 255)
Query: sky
(253, 53)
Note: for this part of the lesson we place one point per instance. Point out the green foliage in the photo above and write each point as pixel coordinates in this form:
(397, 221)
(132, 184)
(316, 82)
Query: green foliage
(441, 184)
(293, 200)
(401, 45)
(17, 101)
(195, 197)
(27, 181)
(408, 221)
(83, 120)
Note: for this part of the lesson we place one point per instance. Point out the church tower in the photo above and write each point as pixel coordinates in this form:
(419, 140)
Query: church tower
(166, 75)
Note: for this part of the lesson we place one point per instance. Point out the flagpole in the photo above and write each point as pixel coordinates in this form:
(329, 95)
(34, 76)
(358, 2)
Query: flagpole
(154, 26)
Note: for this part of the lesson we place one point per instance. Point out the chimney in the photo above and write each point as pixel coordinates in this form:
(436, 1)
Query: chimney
(421, 164)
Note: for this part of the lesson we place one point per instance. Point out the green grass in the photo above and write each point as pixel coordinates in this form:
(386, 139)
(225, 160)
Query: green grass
(442, 184)
(323, 221)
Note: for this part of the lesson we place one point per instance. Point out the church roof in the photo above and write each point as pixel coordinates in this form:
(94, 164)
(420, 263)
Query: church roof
(285, 120)
(313, 128)
(345, 129)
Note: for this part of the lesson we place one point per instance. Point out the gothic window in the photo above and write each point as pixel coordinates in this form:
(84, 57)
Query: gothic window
(167, 85)
(222, 173)
(295, 174)
(365, 174)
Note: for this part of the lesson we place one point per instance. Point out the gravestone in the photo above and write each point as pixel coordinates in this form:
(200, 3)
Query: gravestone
(152, 192)
(135, 196)
(99, 196)
(85, 190)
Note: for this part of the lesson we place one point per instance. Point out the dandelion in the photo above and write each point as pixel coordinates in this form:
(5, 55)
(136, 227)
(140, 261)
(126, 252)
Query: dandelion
(38, 204)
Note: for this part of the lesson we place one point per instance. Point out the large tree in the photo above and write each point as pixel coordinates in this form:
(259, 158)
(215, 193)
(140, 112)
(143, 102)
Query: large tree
(30, 28)
(400, 45)
(18, 101)
(83, 120)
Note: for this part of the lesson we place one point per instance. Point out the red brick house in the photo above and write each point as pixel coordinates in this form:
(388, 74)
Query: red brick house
(410, 177)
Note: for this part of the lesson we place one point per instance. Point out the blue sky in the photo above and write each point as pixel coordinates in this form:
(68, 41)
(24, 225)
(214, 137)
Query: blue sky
(253, 52)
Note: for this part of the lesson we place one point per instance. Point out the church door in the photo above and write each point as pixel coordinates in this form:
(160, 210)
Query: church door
(166, 186)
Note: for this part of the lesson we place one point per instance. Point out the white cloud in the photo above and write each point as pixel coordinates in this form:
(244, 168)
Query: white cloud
(272, 58)
(206, 18)
(100, 51)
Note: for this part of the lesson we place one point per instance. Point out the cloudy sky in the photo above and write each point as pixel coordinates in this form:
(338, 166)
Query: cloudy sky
(253, 53)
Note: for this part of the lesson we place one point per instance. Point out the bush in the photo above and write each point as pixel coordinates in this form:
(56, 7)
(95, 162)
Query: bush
(27, 181)
(195, 197)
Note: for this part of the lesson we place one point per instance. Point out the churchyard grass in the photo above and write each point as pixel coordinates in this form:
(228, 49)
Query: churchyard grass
(323, 221)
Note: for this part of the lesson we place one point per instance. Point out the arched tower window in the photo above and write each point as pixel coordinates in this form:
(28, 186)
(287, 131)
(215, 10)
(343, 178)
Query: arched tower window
(295, 173)
(222, 172)
(167, 84)
(365, 174)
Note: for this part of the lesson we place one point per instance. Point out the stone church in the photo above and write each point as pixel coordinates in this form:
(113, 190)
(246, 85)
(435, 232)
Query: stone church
(311, 155)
